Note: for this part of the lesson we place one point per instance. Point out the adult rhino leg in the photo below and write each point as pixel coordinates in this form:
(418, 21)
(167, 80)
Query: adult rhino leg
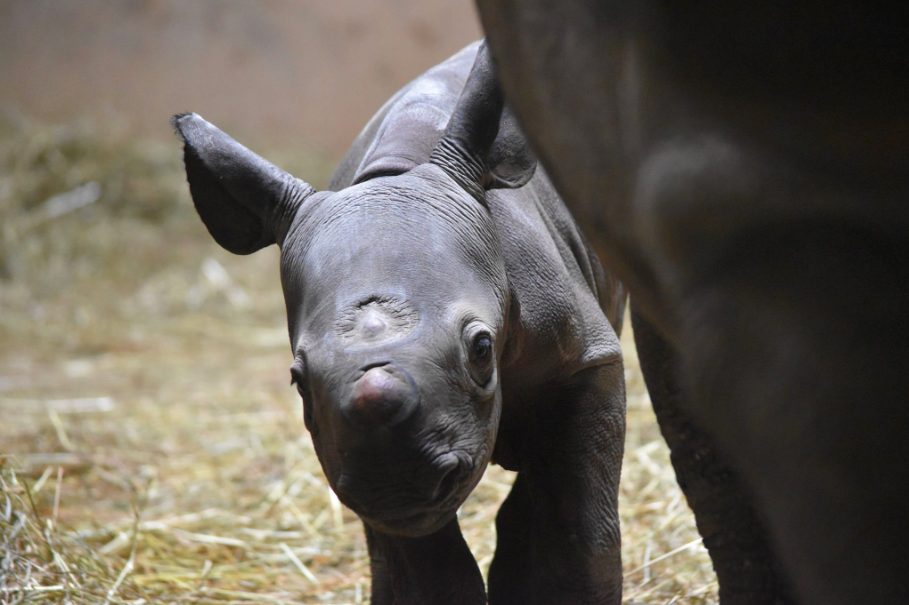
(734, 534)
(558, 530)
(811, 323)
(437, 569)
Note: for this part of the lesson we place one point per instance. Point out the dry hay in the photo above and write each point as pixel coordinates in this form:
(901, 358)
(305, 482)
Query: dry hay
(152, 450)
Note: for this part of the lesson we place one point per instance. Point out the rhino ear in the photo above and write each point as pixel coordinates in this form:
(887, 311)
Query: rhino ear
(483, 142)
(246, 202)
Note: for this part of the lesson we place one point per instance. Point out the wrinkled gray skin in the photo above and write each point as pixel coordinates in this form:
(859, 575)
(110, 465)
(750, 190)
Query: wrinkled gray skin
(744, 168)
(444, 311)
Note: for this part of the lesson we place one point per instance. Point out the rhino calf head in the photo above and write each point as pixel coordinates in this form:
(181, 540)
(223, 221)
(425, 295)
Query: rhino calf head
(398, 303)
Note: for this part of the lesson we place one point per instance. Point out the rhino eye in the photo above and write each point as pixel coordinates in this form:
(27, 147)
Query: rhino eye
(482, 348)
(481, 358)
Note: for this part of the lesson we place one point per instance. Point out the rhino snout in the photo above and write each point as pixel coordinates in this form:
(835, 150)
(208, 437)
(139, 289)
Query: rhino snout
(385, 395)
(411, 503)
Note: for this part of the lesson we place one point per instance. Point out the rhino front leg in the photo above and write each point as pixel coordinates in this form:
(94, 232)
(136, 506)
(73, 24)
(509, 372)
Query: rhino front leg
(734, 533)
(437, 569)
(558, 530)
(382, 592)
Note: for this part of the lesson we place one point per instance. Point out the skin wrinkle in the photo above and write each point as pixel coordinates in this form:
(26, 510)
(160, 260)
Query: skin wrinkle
(454, 214)
(467, 171)
(397, 316)
(294, 195)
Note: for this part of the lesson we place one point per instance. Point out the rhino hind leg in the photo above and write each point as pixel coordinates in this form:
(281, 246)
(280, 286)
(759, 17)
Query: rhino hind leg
(734, 534)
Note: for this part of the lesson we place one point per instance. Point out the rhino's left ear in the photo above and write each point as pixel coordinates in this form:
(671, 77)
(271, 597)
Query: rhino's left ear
(246, 202)
(483, 143)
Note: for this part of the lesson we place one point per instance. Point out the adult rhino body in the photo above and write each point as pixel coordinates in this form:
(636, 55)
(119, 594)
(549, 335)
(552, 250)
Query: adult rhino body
(444, 311)
(744, 169)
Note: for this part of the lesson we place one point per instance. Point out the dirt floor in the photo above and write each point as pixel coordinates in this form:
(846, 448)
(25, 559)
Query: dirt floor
(152, 449)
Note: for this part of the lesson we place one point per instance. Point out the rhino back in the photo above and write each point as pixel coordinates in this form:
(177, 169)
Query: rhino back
(404, 132)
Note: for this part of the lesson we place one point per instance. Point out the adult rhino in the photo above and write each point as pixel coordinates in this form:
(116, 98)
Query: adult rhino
(744, 169)
(444, 311)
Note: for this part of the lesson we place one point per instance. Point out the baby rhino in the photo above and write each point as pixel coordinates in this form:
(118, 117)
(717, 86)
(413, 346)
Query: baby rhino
(444, 312)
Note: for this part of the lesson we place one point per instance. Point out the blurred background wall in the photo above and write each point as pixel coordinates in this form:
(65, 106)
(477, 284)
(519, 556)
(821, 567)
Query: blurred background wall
(293, 72)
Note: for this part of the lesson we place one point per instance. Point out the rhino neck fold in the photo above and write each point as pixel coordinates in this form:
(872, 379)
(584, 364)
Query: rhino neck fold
(457, 163)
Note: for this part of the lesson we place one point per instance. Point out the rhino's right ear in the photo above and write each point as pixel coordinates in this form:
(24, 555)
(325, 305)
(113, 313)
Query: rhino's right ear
(483, 143)
(246, 202)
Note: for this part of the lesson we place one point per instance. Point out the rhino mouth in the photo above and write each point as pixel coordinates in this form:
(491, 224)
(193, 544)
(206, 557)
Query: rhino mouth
(399, 509)
(415, 525)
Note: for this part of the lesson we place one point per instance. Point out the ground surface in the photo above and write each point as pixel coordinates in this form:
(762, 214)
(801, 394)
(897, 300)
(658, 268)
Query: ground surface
(152, 449)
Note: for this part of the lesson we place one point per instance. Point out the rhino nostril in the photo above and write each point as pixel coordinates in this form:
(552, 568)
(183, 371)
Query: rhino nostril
(448, 479)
